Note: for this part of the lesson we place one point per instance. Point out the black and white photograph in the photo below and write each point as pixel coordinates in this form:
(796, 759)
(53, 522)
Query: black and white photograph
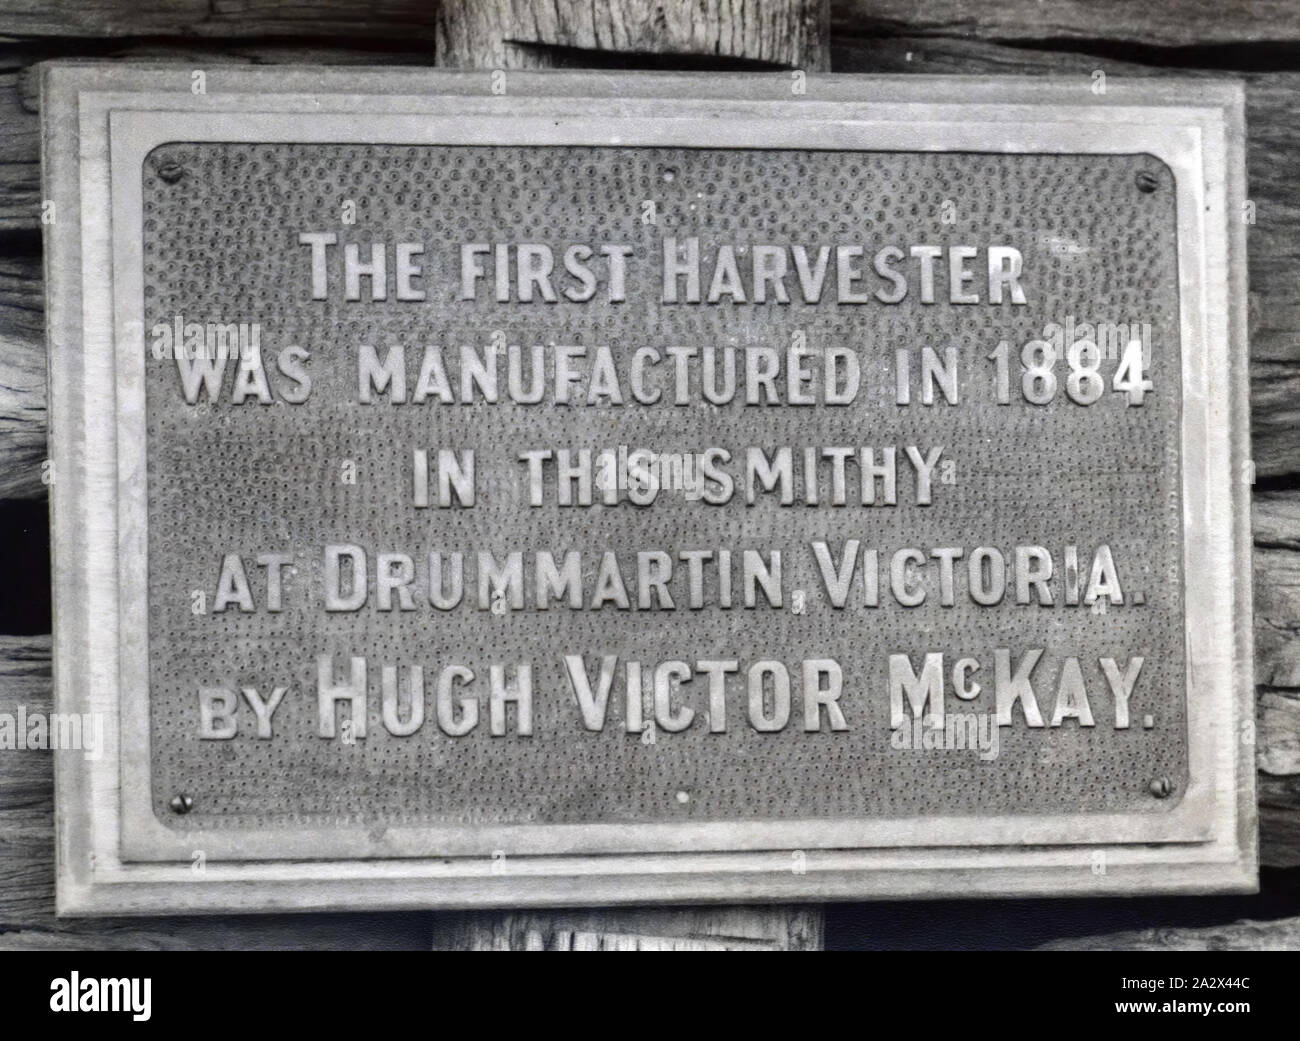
(787, 475)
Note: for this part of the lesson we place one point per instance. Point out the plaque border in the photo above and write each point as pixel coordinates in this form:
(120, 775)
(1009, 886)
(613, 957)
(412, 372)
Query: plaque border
(115, 857)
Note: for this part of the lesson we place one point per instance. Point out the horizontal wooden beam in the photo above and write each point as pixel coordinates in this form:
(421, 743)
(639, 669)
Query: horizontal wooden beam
(342, 20)
(1171, 23)
(1283, 934)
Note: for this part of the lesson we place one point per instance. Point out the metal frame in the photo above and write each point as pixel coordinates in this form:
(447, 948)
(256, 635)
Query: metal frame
(116, 857)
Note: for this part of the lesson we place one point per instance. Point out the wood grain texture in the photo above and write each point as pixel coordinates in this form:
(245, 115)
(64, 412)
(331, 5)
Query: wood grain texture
(785, 33)
(1277, 674)
(22, 376)
(1279, 821)
(1280, 935)
(22, 417)
(651, 929)
(1277, 591)
(342, 20)
(1171, 23)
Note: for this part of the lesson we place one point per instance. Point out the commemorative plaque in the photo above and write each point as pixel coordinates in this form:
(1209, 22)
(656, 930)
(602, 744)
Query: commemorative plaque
(522, 489)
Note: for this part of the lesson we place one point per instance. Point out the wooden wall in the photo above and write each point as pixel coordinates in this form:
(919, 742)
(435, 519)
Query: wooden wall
(1255, 40)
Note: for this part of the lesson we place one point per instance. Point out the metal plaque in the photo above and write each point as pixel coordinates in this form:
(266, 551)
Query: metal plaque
(565, 488)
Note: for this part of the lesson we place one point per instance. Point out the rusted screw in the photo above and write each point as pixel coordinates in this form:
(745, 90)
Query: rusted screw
(1162, 787)
(171, 172)
(181, 804)
(1147, 181)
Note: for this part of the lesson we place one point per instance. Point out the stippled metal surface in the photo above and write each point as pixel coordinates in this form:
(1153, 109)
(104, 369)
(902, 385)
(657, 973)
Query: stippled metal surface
(220, 245)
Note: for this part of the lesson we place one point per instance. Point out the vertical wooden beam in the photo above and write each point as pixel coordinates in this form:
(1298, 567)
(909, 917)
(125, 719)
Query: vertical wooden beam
(634, 929)
(521, 34)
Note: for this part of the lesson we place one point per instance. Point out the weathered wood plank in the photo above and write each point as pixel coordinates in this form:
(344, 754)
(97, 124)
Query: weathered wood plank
(1277, 671)
(788, 33)
(22, 417)
(344, 20)
(20, 152)
(1173, 23)
(1275, 407)
(1280, 935)
(1279, 734)
(649, 929)
(27, 919)
(1279, 821)
(1277, 590)
(22, 376)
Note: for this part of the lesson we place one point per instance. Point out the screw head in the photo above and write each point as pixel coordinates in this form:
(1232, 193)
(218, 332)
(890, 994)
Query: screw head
(1162, 787)
(1147, 181)
(181, 804)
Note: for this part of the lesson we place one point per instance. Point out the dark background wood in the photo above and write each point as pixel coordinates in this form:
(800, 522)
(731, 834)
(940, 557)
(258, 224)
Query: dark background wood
(1257, 41)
